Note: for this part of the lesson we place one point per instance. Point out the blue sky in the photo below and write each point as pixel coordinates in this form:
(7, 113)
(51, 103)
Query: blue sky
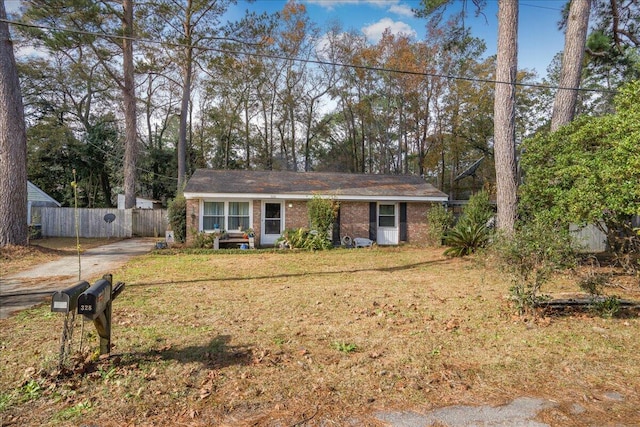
(538, 41)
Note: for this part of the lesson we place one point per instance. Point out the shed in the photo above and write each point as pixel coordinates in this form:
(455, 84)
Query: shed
(141, 203)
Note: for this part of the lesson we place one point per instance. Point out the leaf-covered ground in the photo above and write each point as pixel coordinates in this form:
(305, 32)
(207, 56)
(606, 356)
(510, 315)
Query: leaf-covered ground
(18, 258)
(326, 338)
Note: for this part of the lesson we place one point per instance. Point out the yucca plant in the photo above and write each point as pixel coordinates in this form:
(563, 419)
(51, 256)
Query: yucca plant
(303, 238)
(317, 241)
(471, 232)
(466, 239)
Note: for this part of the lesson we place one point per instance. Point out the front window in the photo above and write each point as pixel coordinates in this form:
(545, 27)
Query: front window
(238, 215)
(387, 216)
(229, 216)
(213, 216)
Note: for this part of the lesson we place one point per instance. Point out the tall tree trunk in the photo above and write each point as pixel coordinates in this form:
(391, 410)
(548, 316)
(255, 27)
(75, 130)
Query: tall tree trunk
(184, 115)
(575, 39)
(307, 137)
(187, 74)
(294, 155)
(247, 140)
(504, 115)
(129, 96)
(13, 146)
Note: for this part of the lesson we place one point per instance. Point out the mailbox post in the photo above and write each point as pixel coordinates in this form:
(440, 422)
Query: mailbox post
(66, 301)
(95, 304)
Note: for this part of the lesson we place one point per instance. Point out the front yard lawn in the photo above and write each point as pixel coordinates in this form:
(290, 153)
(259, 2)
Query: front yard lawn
(317, 338)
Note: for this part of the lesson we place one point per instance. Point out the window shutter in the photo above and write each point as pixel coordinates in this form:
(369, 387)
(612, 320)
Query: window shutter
(336, 230)
(373, 214)
(403, 222)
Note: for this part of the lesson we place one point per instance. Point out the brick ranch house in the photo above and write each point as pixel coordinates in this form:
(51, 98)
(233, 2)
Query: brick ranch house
(388, 209)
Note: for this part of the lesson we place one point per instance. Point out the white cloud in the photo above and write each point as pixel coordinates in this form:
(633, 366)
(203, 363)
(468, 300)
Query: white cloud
(331, 4)
(401, 9)
(392, 6)
(29, 51)
(12, 6)
(375, 30)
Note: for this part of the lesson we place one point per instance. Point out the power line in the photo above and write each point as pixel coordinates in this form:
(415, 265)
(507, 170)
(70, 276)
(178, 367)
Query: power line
(305, 60)
(540, 7)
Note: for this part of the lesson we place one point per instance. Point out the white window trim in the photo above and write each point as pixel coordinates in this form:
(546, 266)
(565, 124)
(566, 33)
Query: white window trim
(283, 214)
(396, 215)
(226, 213)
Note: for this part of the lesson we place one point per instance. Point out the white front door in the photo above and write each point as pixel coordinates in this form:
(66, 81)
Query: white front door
(272, 223)
(388, 231)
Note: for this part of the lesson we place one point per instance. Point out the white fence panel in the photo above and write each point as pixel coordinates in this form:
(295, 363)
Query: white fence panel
(61, 222)
(589, 237)
(150, 222)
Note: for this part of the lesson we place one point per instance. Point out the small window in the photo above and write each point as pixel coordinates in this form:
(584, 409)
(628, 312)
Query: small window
(238, 215)
(213, 216)
(387, 216)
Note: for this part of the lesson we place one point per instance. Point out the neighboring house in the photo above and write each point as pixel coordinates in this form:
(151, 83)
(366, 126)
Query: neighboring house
(140, 203)
(37, 198)
(387, 209)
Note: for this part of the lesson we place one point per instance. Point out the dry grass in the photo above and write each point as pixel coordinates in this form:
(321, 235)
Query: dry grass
(298, 338)
(18, 258)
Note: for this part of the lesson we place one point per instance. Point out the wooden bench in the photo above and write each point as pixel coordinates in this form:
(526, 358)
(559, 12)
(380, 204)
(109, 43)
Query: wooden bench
(234, 239)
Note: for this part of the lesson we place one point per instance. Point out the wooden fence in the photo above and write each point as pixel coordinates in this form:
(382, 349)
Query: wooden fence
(589, 238)
(61, 222)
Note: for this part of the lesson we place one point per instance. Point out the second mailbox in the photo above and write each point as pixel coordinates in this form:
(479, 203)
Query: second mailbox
(66, 301)
(93, 301)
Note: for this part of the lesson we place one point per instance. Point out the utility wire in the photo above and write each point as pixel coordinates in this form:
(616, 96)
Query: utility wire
(304, 60)
(540, 7)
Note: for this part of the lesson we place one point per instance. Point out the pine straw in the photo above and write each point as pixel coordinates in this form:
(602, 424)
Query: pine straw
(18, 258)
(255, 338)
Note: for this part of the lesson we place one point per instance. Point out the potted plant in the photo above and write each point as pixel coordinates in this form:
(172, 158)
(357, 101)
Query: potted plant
(250, 234)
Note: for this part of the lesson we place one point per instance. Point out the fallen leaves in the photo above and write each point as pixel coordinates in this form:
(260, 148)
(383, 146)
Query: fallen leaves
(208, 384)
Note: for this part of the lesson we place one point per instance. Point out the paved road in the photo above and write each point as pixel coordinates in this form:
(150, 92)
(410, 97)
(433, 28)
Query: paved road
(31, 287)
(519, 413)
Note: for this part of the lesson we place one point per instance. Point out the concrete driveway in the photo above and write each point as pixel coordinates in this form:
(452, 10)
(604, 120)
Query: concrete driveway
(31, 287)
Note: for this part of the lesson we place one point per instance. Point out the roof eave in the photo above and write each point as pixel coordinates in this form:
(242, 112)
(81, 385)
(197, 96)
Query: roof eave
(296, 196)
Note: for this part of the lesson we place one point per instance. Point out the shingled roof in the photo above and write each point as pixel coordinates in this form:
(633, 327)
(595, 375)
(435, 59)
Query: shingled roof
(301, 185)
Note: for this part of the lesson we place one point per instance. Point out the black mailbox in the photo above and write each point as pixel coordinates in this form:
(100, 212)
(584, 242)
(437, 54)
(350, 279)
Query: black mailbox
(66, 301)
(93, 302)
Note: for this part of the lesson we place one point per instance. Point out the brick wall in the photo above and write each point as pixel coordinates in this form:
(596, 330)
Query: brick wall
(417, 227)
(354, 219)
(257, 219)
(296, 216)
